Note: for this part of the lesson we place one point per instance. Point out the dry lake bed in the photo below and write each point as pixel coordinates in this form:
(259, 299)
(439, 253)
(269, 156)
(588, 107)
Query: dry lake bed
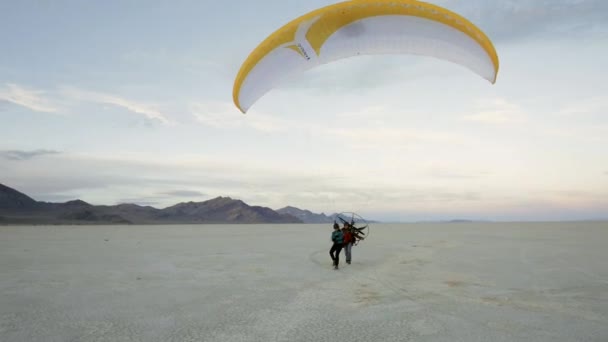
(408, 282)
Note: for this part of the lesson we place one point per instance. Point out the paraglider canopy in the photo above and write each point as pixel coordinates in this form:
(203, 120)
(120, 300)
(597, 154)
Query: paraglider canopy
(363, 27)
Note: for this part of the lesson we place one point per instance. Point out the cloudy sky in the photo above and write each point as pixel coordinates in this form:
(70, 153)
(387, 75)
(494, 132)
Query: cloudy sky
(131, 101)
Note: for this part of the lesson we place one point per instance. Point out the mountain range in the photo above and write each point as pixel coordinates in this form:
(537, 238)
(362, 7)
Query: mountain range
(18, 208)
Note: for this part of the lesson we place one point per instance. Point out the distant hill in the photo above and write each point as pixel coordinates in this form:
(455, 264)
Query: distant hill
(18, 208)
(13, 199)
(306, 216)
(224, 210)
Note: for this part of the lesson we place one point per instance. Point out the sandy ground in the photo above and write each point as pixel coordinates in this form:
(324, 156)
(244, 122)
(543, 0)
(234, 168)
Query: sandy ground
(409, 282)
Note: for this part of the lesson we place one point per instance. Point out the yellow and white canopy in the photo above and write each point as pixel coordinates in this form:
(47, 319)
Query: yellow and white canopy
(363, 27)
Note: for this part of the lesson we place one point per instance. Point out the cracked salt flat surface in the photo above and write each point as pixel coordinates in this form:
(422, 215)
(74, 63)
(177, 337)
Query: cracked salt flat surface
(408, 282)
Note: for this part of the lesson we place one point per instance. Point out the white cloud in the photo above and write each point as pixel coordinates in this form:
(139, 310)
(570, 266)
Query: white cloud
(216, 114)
(107, 179)
(25, 155)
(428, 188)
(68, 96)
(455, 171)
(374, 112)
(28, 98)
(497, 111)
(148, 110)
(165, 58)
(524, 18)
(598, 104)
(386, 137)
(224, 115)
(359, 129)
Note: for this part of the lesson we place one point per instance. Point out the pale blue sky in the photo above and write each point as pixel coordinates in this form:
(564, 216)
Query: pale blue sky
(117, 101)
